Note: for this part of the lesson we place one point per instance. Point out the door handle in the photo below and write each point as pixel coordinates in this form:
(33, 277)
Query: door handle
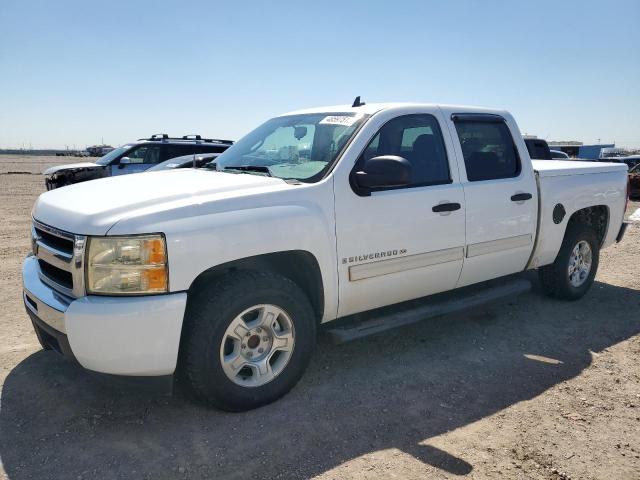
(520, 197)
(446, 207)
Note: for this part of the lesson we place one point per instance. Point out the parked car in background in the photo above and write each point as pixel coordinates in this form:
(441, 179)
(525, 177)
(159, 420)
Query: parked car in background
(538, 148)
(634, 182)
(132, 158)
(198, 160)
(558, 155)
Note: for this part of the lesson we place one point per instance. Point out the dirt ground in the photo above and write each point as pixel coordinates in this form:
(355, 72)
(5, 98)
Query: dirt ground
(533, 388)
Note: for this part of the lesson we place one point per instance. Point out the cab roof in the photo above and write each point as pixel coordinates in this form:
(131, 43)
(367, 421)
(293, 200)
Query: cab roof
(371, 108)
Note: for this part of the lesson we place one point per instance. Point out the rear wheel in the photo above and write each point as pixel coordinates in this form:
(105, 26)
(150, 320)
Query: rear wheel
(575, 267)
(247, 340)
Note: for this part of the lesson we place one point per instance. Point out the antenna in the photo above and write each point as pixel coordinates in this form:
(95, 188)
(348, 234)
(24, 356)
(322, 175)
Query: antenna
(357, 102)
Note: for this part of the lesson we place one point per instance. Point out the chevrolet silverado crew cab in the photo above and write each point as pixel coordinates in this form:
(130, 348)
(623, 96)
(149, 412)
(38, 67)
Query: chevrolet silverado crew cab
(222, 276)
(132, 158)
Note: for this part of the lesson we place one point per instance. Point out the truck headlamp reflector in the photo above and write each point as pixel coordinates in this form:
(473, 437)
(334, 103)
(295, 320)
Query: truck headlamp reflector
(127, 265)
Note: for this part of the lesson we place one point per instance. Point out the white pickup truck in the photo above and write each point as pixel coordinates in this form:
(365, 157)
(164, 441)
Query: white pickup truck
(224, 275)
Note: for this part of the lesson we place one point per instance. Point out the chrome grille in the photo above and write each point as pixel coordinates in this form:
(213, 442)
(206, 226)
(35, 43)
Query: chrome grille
(60, 258)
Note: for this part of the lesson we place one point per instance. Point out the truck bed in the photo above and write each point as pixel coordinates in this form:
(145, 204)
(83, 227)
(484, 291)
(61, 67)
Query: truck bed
(571, 186)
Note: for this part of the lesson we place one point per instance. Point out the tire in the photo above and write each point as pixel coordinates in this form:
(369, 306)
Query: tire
(556, 280)
(213, 333)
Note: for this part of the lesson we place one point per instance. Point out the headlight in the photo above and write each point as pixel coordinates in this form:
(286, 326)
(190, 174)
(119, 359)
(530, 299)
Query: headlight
(127, 265)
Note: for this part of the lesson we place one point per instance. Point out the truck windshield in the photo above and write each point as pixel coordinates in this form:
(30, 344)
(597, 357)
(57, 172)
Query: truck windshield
(106, 160)
(298, 147)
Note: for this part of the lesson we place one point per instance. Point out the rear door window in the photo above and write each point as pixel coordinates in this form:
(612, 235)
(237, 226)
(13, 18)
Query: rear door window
(488, 150)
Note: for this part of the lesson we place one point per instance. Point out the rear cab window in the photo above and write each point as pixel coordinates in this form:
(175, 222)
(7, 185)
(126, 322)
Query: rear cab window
(488, 148)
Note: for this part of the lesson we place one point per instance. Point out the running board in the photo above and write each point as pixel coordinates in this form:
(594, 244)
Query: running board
(458, 303)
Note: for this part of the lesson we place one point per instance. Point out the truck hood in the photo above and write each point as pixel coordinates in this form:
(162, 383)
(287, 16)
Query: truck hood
(71, 166)
(92, 208)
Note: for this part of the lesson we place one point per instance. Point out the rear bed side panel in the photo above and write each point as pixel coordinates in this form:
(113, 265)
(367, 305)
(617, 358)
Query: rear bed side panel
(575, 192)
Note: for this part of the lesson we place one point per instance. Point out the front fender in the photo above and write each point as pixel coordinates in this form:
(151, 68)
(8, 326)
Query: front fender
(200, 237)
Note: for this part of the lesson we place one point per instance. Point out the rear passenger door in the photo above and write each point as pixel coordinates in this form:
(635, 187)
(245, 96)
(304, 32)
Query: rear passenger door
(500, 195)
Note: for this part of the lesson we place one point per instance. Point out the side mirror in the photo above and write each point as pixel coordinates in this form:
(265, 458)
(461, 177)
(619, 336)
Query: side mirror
(384, 171)
(125, 161)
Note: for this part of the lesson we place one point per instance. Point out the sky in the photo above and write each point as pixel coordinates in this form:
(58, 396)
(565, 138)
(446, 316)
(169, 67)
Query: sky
(75, 72)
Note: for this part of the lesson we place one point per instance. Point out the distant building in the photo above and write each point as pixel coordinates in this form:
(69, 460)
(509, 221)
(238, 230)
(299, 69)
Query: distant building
(580, 150)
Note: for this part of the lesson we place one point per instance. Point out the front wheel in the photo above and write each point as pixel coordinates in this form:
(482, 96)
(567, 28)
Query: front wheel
(575, 267)
(248, 339)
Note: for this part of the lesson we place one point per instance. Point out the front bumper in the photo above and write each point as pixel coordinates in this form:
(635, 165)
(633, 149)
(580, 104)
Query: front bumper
(132, 336)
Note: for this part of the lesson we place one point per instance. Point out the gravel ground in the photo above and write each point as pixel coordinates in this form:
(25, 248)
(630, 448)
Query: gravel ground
(533, 388)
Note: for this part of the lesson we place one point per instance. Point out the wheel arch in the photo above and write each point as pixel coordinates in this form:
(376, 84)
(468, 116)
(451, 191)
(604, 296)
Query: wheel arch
(300, 266)
(597, 217)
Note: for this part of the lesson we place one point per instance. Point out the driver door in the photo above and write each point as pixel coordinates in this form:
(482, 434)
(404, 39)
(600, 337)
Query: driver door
(392, 246)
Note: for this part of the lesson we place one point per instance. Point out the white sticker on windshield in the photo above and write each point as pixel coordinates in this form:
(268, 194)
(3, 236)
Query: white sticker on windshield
(345, 120)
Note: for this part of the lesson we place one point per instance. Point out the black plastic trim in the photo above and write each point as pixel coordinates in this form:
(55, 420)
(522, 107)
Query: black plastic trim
(50, 338)
(446, 207)
(521, 197)
(477, 117)
(558, 213)
(623, 229)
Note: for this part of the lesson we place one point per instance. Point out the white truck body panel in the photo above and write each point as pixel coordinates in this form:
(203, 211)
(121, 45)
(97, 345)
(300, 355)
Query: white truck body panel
(212, 218)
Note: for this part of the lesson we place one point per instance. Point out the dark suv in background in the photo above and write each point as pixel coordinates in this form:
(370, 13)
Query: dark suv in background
(132, 158)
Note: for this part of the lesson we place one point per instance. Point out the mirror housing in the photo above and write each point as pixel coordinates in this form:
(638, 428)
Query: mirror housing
(125, 161)
(385, 171)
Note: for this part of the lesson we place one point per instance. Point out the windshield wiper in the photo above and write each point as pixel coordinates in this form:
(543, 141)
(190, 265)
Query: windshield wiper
(251, 168)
